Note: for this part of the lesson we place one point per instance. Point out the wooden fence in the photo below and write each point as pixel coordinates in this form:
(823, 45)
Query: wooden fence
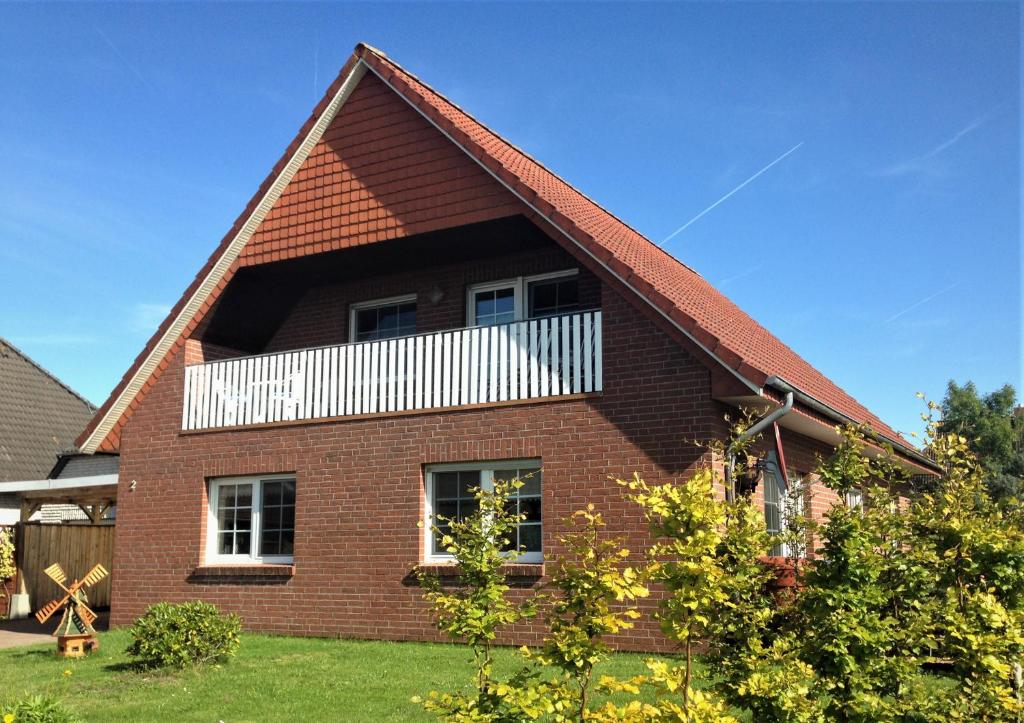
(76, 547)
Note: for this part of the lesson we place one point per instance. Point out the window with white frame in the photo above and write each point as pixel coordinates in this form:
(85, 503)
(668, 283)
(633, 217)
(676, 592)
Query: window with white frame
(855, 499)
(450, 494)
(251, 519)
(524, 297)
(383, 318)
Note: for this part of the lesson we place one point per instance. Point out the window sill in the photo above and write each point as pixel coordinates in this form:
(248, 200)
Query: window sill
(236, 571)
(511, 569)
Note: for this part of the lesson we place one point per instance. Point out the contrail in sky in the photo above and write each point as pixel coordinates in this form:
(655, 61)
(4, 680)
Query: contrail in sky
(120, 56)
(726, 196)
(923, 301)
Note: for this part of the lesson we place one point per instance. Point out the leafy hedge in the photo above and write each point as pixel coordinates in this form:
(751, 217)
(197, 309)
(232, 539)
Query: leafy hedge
(185, 634)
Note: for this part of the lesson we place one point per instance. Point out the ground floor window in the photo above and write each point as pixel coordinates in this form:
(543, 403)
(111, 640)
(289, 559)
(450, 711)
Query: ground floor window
(449, 494)
(251, 519)
(782, 502)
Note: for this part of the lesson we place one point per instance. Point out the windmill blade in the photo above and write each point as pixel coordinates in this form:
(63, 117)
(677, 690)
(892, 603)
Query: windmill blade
(56, 573)
(85, 611)
(86, 614)
(44, 613)
(94, 576)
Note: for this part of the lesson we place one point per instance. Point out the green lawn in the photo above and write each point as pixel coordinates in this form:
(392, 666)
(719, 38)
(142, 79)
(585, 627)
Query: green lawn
(271, 679)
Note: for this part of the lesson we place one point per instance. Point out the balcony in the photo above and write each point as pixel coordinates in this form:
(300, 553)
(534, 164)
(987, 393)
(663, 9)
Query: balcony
(540, 358)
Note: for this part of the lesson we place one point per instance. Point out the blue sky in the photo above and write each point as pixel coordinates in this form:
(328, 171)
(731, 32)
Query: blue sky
(885, 248)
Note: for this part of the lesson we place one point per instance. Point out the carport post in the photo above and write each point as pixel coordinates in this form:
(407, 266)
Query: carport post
(20, 606)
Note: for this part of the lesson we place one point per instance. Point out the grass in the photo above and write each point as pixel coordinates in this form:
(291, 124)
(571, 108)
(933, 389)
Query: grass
(272, 678)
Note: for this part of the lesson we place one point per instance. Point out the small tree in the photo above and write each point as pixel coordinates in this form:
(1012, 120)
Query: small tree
(475, 610)
(591, 582)
(688, 525)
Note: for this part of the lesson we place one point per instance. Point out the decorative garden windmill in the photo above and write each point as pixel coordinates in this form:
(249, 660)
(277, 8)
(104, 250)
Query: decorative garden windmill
(75, 634)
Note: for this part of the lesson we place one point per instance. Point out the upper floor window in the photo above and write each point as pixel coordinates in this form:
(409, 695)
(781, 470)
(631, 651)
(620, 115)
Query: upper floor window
(524, 297)
(450, 493)
(251, 519)
(383, 318)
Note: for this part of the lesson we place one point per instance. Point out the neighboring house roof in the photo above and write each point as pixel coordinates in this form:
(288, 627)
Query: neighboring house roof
(40, 416)
(700, 311)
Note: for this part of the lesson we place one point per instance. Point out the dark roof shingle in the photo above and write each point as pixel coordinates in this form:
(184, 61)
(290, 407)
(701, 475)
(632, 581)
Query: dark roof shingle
(40, 416)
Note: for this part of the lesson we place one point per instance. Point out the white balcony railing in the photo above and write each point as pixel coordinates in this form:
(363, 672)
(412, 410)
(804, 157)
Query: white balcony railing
(531, 359)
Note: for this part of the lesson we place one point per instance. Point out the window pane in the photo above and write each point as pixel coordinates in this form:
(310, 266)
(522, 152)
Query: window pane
(484, 305)
(243, 495)
(505, 302)
(386, 322)
(469, 482)
(543, 296)
(495, 306)
(531, 508)
(287, 542)
(531, 482)
(226, 496)
(366, 323)
(243, 518)
(467, 508)
(446, 484)
(225, 519)
(271, 494)
(407, 319)
(557, 296)
(271, 543)
(288, 518)
(225, 543)
(449, 509)
(438, 547)
(242, 541)
(530, 537)
(388, 319)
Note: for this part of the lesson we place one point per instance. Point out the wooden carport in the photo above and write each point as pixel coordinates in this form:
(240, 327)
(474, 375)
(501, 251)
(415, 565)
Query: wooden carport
(78, 545)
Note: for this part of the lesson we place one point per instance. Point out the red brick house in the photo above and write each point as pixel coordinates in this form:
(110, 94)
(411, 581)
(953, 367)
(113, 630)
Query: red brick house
(409, 306)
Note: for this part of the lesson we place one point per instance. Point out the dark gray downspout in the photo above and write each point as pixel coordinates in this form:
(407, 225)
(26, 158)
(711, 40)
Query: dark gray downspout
(756, 428)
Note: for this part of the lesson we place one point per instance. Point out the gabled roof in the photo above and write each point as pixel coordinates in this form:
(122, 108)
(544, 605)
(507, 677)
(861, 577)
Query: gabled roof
(693, 305)
(40, 416)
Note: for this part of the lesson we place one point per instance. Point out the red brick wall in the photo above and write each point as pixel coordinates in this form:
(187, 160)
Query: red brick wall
(381, 171)
(361, 490)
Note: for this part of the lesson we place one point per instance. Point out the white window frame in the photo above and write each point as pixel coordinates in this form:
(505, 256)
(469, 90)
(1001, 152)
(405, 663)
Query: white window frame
(358, 306)
(256, 531)
(487, 470)
(519, 285)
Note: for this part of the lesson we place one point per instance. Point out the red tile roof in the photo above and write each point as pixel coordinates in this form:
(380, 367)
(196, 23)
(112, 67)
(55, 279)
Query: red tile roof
(678, 291)
(724, 328)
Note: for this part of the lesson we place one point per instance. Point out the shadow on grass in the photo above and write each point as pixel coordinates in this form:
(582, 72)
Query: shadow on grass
(130, 666)
(35, 654)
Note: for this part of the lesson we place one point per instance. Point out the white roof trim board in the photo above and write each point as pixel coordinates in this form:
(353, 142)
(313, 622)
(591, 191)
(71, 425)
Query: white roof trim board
(55, 485)
(220, 268)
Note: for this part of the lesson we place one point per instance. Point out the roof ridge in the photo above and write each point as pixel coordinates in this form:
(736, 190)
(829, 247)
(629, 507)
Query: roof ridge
(512, 145)
(46, 372)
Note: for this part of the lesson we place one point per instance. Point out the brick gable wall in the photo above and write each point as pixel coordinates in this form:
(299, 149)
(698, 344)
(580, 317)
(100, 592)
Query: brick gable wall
(381, 171)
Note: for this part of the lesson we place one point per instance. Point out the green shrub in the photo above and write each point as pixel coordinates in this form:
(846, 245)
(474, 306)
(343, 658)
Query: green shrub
(191, 633)
(35, 709)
